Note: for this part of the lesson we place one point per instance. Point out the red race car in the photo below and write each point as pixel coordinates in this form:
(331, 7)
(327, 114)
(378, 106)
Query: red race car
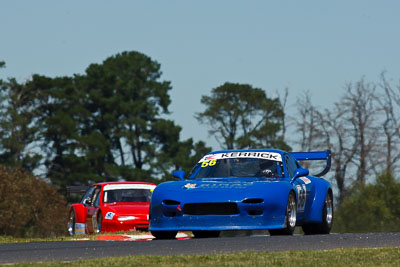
(111, 207)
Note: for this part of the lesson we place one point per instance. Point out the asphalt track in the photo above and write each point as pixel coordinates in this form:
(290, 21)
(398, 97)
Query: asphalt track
(74, 250)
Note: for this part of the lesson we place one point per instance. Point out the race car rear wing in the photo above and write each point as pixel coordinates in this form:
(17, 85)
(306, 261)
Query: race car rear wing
(316, 155)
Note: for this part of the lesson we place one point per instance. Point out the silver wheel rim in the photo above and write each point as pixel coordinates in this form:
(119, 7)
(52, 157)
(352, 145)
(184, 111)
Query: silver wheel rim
(291, 211)
(329, 209)
(70, 224)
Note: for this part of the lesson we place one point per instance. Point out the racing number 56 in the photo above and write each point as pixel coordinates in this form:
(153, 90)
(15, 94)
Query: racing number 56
(208, 163)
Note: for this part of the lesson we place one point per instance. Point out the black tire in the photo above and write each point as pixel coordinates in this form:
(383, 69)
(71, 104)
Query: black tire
(290, 218)
(206, 234)
(99, 222)
(164, 234)
(324, 227)
(71, 223)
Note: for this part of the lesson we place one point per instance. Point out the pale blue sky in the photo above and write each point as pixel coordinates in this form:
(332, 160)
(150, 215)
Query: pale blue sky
(304, 45)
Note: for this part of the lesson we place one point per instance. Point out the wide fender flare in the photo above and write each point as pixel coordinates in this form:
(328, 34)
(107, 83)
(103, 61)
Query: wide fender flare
(166, 190)
(322, 187)
(80, 212)
(276, 197)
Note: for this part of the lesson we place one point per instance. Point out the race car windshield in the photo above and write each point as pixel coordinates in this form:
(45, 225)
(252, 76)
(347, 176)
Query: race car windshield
(127, 195)
(236, 167)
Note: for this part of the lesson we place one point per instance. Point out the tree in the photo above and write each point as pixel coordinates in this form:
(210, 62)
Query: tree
(306, 124)
(17, 129)
(240, 116)
(359, 104)
(107, 124)
(389, 104)
(308, 128)
(18, 126)
(127, 99)
(348, 129)
(58, 115)
(338, 137)
(283, 102)
(182, 155)
(371, 208)
(322, 129)
(30, 207)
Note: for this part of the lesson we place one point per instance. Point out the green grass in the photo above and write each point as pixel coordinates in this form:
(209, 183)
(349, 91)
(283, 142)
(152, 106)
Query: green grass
(9, 239)
(336, 257)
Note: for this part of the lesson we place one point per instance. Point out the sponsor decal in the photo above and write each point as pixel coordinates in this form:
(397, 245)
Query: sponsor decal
(222, 185)
(80, 228)
(189, 186)
(109, 215)
(210, 157)
(231, 155)
(305, 180)
(217, 185)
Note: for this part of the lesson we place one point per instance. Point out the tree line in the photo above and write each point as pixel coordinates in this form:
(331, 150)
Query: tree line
(362, 130)
(109, 123)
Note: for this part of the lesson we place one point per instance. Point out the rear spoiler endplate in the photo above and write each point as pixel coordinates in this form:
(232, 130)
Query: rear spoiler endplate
(315, 155)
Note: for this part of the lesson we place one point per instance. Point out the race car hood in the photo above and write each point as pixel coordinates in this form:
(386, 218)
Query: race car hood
(128, 209)
(219, 189)
(225, 184)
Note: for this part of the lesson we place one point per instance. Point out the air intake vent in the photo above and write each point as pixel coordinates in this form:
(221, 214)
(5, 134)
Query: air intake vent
(255, 212)
(224, 208)
(171, 202)
(253, 200)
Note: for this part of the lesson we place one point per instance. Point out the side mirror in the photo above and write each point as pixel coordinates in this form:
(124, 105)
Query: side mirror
(179, 175)
(300, 172)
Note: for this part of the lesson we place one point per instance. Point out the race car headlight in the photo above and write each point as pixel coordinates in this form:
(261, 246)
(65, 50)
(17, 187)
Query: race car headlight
(126, 218)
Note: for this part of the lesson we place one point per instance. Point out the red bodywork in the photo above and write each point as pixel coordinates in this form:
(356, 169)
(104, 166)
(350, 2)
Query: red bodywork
(94, 210)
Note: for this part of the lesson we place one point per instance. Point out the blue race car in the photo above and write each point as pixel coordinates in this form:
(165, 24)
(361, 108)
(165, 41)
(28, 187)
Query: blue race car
(245, 190)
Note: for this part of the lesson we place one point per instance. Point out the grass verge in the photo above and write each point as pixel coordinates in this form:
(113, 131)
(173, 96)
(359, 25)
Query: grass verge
(336, 257)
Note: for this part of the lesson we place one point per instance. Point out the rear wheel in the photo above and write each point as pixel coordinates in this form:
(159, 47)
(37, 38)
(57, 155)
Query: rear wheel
(290, 219)
(71, 223)
(325, 226)
(205, 234)
(164, 234)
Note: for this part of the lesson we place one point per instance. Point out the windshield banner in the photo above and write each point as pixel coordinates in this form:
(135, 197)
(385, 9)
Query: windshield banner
(233, 155)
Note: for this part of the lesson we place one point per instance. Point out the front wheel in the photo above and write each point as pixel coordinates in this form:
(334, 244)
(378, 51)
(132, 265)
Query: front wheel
(205, 234)
(325, 226)
(71, 223)
(164, 234)
(290, 218)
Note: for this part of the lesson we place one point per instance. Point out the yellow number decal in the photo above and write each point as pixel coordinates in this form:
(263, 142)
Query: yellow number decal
(208, 163)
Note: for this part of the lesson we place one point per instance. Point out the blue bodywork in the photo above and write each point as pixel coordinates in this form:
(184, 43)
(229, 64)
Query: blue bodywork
(240, 203)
